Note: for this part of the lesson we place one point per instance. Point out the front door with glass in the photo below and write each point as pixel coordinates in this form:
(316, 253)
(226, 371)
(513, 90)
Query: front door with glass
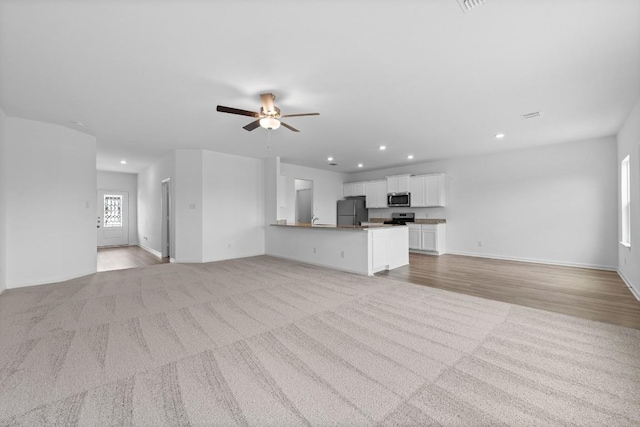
(113, 218)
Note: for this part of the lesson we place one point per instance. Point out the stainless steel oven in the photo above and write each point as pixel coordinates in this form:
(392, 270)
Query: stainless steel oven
(398, 199)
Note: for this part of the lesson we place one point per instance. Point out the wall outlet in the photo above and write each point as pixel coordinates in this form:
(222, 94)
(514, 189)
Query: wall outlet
(145, 237)
(341, 254)
(314, 249)
(228, 245)
(479, 243)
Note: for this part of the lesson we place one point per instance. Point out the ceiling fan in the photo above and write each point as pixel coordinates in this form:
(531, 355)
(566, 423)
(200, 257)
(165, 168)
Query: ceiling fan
(268, 117)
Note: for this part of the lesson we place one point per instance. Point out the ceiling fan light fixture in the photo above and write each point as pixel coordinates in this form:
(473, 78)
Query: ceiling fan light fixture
(270, 123)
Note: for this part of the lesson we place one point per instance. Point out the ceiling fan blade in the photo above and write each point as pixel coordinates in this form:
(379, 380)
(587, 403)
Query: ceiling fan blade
(267, 102)
(224, 109)
(301, 114)
(289, 127)
(252, 125)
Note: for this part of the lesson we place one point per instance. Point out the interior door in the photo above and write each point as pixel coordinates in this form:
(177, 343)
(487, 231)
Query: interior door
(113, 218)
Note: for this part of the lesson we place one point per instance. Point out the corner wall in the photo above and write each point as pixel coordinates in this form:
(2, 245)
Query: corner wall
(149, 204)
(552, 204)
(217, 205)
(233, 191)
(49, 173)
(188, 206)
(628, 139)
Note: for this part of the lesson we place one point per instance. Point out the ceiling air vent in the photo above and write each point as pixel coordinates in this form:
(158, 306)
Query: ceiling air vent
(531, 115)
(333, 164)
(467, 5)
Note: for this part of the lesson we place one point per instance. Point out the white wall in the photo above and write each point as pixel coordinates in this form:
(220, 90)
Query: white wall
(50, 177)
(188, 206)
(218, 205)
(553, 204)
(327, 190)
(3, 202)
(150, 203)
(120, 181)
(233, 190)
(628, 140)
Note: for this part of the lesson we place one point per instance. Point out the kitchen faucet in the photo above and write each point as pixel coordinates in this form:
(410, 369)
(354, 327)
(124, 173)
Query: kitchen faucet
(314, 219)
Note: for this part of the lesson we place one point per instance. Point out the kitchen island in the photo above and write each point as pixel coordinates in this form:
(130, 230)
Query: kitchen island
(357, 249)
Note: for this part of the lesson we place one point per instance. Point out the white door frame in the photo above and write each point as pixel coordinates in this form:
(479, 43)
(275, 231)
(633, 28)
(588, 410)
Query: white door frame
(116, 236)
(166, 222)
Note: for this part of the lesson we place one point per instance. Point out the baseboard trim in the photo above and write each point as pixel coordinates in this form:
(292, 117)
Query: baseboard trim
(318, 264)
(536, 261)
(629, 285)
(57, 279)
(151, 251)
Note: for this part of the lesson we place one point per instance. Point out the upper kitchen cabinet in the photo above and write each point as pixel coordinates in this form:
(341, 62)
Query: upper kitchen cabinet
(418, 191)
(353, 189)
(376, 193)
(399, 184)
(428, 190)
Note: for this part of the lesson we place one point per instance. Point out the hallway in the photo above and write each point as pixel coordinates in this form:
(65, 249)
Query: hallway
(122, 257)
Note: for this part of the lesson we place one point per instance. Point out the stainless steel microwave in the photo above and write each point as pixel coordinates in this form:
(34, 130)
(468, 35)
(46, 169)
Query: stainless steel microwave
(398, 199)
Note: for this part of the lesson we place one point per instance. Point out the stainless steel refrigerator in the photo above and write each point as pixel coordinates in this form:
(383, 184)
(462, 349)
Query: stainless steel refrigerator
(352, 211)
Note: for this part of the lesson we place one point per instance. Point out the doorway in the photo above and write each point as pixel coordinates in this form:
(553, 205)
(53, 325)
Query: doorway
(304, 201)
(166, 220)
(113, 218)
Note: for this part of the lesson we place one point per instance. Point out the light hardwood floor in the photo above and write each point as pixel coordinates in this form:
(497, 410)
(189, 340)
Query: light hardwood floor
(591, 294)
(123, 257)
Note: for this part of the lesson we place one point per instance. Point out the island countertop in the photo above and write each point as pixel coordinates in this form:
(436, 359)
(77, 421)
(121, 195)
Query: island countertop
(337, 227)
(417, 220)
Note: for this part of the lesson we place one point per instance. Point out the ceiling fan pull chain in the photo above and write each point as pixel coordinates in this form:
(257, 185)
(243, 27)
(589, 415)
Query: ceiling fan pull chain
(269, 140)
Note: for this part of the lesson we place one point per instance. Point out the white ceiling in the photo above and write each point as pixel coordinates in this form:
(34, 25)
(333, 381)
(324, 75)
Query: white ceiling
(420, 77)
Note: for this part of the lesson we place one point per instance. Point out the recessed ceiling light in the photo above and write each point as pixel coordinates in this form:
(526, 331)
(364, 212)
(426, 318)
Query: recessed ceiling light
(500, 135)
(123, 162)
(383, 147)
(410, 156)
(329, 159)
(360, 165)
(78, 123)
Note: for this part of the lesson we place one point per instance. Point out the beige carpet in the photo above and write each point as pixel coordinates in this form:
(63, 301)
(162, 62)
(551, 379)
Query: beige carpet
(262, 341)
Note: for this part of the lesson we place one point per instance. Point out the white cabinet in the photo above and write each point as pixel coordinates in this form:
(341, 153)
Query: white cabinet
(347, 189)
(398, 184)
(352, 189)
(435, 189)
(428, 190)
(388, 248)
(414, 236)
(379, 250)
(428, 237)
(376, 194)
(358, 189)
(418, 192)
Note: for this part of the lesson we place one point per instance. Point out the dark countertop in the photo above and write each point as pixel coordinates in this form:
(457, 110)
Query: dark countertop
(417, 220)
(336, 227)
